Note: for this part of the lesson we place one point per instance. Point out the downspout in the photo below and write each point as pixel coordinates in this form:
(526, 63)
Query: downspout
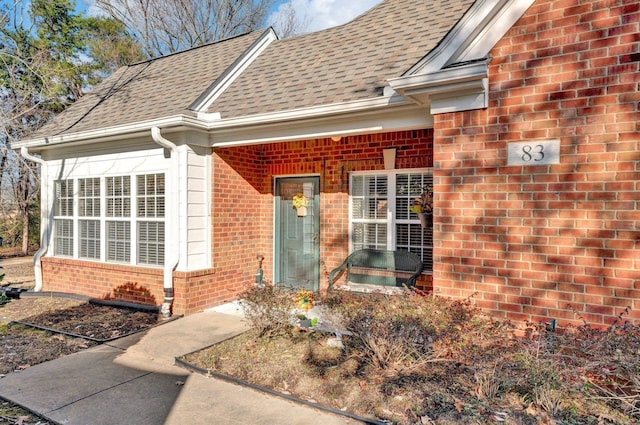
(44, 222)
(172, 244)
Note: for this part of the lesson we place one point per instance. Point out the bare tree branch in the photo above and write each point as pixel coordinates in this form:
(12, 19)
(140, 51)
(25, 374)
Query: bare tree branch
(166, 26)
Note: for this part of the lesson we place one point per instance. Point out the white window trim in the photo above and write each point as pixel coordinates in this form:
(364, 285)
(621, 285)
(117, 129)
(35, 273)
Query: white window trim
(391, 204)
(132, 218)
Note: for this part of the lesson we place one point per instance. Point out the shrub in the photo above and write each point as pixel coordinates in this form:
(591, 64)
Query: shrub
(397, 333)
(268, 309)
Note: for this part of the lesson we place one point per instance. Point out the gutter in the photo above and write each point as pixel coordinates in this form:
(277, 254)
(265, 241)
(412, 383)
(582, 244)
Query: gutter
(172, 243)
(214, 122)
(44, 222)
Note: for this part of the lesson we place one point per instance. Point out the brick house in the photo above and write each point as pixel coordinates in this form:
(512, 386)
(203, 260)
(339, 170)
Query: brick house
(171, 178)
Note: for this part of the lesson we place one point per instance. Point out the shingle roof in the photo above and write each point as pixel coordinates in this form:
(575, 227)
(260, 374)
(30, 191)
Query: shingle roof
(153, 89)
(345, 63)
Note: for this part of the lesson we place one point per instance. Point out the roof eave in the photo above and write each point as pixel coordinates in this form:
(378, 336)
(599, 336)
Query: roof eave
(107, 134)
(386, 113)
(458, 88)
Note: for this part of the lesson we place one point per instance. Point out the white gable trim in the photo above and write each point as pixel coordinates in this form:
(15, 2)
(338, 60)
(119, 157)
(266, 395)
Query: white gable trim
(454, 76)
(471, 39)
(459, 88)
(206, 99)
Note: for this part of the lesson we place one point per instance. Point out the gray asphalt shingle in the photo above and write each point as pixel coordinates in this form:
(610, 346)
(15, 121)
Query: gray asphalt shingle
(345, 63)
(153, 89)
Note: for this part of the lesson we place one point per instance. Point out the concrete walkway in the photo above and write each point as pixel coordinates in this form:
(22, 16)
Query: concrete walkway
(134, 381)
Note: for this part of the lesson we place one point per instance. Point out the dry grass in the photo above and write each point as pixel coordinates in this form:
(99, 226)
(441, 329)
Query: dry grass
(426, 360)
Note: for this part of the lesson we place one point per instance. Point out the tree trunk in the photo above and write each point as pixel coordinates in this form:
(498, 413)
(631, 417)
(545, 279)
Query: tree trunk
(3, 164)
(25, 232)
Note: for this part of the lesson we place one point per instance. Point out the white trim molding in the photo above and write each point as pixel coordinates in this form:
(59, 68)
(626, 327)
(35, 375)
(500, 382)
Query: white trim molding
(206, 99)
(449, 90)
(453, 77)
(473, 37)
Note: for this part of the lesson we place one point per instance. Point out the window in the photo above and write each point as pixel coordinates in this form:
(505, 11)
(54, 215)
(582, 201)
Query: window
(150, 203)
(151, 195)
(89, 229)
(119, 241)
(118, 225)
(118, 196)
(380, 215)
(110, 211)
(151, 243)
(369, 198)
(63, 218)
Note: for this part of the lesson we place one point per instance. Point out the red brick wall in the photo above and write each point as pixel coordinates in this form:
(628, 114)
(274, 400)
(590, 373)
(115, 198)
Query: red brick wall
(103, 281)
(242, 174)
(242, 220)
(557, 241)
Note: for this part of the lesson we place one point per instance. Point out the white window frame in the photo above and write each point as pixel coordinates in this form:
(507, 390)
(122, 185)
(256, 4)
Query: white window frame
(61, 218)
(125, 214)
(89, 215)
(150, 216)
(391, 220)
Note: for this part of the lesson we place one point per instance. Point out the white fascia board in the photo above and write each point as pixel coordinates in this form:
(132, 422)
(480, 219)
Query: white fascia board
(484, 24)
(320, 121)
(445, 77)
(407, 116)
(468, 82)
(227, 78)
(111, 133)
(355, 106)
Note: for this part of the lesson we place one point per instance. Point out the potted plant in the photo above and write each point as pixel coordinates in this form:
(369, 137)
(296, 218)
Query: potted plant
(300, 203)
(423, 206)
(304, 301)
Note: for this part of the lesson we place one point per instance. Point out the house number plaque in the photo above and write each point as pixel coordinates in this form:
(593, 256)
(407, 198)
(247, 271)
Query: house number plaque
(538, 152)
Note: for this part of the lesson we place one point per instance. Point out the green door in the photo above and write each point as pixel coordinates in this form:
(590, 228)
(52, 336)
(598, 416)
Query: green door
(297, 234)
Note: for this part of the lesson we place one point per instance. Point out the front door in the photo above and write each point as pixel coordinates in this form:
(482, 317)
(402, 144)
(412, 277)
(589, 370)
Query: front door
(297, 234)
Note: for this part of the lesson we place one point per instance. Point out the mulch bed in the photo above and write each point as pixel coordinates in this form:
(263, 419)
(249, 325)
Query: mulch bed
(94, 322)
(38, 329)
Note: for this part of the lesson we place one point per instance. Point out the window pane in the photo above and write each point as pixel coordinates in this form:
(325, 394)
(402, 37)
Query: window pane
(369, 235)
(89, 197)
(150, 195)
(63, 237)
(89, 239)
(118, 197)
(413, 238)
(408, 188)
(118, 241)
(63, 205)
(151, 243)
(369, 197)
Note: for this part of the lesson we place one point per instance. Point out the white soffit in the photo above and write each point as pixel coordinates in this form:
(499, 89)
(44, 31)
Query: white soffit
(407, 116)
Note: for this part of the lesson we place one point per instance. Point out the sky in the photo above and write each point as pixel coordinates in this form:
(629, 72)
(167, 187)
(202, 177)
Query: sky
(323, 14)
(319, 14)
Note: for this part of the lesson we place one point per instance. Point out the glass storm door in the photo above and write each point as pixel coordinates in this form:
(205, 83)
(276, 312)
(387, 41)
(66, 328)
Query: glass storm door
(297, 235)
